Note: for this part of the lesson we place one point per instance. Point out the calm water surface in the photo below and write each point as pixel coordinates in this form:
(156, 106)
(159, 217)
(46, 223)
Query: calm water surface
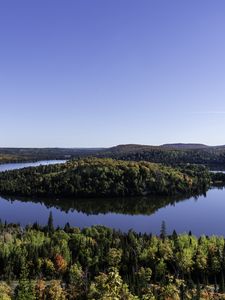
(202, 215)
(13, 166)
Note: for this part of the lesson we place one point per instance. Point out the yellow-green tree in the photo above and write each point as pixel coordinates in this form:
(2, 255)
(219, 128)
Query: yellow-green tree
(110, 287)
(5, 291)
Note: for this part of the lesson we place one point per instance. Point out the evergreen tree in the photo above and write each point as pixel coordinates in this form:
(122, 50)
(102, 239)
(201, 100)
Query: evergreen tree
(50, 225)
(163, 230)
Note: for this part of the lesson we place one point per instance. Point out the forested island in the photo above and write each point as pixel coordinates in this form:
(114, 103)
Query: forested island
(95, 177)
(101, 263)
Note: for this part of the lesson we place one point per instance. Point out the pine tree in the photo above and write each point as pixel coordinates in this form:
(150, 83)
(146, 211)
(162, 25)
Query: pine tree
(174, 235)
(67, 227)
(50, 223)
(163, 230)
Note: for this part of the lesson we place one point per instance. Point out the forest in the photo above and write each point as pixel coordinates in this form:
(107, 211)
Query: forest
(8, 155)
(218, 178)
(43, 262)
(95, 177)
(6, 158)
(170, 154)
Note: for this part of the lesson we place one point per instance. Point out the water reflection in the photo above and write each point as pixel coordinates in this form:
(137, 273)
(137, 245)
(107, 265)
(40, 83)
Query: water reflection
(201, 215)
(95, 206)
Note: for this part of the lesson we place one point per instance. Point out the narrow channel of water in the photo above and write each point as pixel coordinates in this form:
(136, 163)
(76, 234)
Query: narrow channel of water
(14, 166)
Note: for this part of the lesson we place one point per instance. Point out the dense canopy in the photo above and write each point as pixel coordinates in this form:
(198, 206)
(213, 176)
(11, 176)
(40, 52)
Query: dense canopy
(100, 263)
(94, 177)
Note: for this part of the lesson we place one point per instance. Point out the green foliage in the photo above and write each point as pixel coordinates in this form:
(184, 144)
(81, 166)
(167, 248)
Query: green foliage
(104, 178)
(218, 178)
(171, 154)
(114, 257)
(25, 289)
(99, 263)
(168, 154)
(109, 287)
(54, 291)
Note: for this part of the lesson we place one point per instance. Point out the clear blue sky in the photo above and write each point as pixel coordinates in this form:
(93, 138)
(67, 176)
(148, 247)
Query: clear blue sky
(87, 73)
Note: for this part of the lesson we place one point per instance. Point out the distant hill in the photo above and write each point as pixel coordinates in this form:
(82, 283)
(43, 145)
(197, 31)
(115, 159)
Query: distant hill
(34, 154)
(173, 146)
(168, 153)
(183, 146)
(177, 153)
(126, 148)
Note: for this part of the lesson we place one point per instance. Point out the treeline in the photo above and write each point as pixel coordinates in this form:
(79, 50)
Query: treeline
(167, 154)
(6, 158)
(35, 154)
(206, 156)
(104, 177)
(218, 178)
(101, 263)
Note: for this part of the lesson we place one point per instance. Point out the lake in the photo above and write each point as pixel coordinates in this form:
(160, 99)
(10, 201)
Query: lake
(202, 215)
(13, 166)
